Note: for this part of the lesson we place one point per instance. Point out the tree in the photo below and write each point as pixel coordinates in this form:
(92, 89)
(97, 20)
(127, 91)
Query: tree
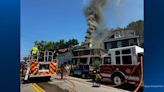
(61, 43)
(71, 42)
(97, 63)
(138, 26)
(25, 58)
(51, 46)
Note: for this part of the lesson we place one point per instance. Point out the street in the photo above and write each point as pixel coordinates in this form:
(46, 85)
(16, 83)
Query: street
(68, 84)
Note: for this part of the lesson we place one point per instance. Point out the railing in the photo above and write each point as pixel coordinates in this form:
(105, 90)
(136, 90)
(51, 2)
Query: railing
(42, 56)
(87, 52)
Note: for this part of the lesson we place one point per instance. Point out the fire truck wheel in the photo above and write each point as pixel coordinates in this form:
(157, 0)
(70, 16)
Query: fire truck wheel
(48, 78)
(118, 79)
(83, 76)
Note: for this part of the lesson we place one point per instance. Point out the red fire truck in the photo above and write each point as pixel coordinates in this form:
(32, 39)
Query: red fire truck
(122, 64)
(40, 65)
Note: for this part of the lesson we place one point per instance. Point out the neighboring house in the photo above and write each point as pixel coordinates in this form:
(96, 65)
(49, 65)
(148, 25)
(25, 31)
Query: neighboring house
(87, 55)
(121, 38)
(64, 58)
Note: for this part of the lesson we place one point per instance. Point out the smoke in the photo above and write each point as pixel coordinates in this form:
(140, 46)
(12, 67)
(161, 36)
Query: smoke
(99, 37)
(94, 13)
(95, 7)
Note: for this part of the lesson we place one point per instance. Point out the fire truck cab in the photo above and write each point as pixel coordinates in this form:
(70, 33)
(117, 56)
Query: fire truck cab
(122, 64)
(41, 65)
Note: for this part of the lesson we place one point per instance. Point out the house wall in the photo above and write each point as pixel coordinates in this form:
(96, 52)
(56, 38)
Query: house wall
(120, 43)
(64, 58)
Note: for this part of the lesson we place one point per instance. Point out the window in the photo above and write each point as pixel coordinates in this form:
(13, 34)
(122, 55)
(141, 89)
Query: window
(109, 45)
(80, 67)
(49, 58)
(91, 61)
(80, 53)
(127, 51)
(86, 52)
(125, 43)
(118, 60)
(114, 44)
(119, 34)
(119, 44)
(41, 57)
(86, 67)
(135, 42)
(92, 52)
(43, 66)
(127, 59)
(107, 60)
(75, 53)
(83, 60)
(105, 45)
(117, 53)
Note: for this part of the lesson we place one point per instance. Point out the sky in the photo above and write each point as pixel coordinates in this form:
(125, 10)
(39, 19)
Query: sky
(52, 20)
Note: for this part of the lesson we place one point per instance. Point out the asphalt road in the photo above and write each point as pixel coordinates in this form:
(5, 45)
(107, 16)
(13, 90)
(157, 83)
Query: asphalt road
(50, 88)
(81, 85)
(41, 83)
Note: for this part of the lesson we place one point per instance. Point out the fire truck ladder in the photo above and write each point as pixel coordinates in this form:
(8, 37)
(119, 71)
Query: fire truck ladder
(28, 67)
(27, 73)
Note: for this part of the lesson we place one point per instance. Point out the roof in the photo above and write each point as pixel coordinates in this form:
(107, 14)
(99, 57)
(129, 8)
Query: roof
(127, 35)
(86, 56)
(88, 49)
(122, 38)
(127, 47)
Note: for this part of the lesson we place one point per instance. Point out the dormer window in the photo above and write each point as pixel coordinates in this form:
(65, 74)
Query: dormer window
(119, 34)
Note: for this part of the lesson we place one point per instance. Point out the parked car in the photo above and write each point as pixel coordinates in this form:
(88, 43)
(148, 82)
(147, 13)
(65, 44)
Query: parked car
(81, 70)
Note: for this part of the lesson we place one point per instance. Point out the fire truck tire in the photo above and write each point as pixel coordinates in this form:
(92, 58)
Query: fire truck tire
(117, 78)
(48, 78)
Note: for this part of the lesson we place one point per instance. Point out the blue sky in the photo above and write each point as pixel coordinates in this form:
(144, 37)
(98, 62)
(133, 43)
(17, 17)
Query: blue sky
(52, 20)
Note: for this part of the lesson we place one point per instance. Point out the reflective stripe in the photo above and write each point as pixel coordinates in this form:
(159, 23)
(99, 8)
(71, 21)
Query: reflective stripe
(105, 75)
(52, 71)
(134, 78)
(52, 64)
(35, 72)
(52, 67)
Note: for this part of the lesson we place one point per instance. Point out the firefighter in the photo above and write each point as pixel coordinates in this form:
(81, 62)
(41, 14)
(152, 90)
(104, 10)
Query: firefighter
(94, 78)
(34, 51)
(23, 68)
(98, 78)
(62, 71)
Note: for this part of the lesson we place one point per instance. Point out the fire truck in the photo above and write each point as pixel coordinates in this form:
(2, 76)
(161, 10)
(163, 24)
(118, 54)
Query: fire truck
(40, 65)
(122, 64)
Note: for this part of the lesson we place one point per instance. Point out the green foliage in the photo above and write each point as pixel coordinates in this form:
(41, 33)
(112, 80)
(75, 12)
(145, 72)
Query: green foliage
(138, 26)
(51, 46)
(25, 58)
(96, 63)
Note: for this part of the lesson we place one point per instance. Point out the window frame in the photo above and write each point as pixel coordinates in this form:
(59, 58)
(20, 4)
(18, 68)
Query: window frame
(121, 55)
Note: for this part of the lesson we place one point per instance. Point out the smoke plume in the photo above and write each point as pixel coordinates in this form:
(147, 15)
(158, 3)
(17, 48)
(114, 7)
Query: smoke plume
(95, 7)
(94, 14)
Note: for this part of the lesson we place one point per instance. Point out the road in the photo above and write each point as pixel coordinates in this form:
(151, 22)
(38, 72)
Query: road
(70, 84)
(40, 85)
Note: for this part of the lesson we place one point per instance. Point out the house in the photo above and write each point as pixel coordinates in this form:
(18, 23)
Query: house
(121, 38)
(87, 55)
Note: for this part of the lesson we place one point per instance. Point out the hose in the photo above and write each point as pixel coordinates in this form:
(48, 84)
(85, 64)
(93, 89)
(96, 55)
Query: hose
(127, 77)
(141, 79)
